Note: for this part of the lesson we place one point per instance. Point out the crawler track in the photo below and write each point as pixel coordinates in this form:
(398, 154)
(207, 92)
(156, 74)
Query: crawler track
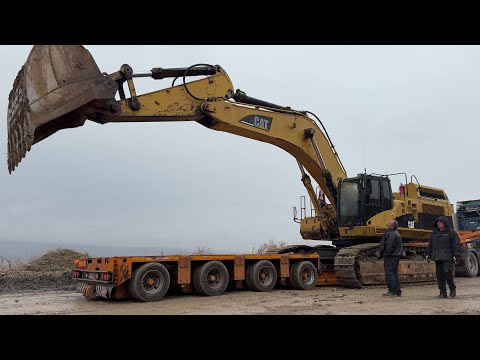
(358, 265)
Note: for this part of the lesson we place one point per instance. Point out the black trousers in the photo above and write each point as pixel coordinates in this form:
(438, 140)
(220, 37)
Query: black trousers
(445, 274)
(390, 264)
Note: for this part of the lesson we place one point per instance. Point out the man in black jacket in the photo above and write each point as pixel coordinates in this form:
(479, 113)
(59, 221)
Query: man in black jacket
(444, 247)
(391, 249)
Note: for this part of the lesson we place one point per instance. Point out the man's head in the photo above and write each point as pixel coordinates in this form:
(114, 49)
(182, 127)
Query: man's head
(441, 225)
(392, 225)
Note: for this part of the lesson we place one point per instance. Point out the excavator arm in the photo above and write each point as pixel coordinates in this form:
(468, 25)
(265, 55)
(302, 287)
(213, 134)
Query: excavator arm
(61, 87)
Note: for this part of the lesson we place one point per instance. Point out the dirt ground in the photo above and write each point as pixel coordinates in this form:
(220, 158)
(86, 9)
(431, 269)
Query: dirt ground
(44, 286)
(417, 299)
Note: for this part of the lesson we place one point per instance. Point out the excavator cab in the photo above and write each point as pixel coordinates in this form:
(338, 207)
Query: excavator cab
(362, 197)
(48, 95)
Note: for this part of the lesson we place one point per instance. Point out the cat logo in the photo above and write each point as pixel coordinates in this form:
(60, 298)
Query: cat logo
(257, 121)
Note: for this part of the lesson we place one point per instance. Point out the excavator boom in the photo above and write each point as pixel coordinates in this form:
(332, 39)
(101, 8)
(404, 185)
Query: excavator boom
(60, 87)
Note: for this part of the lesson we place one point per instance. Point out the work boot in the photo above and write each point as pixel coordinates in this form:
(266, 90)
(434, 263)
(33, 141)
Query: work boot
(442, 296)
(453, 293)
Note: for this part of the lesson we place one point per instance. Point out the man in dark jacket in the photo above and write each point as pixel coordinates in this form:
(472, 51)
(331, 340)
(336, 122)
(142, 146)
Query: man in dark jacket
(444, 247)
(391, 249)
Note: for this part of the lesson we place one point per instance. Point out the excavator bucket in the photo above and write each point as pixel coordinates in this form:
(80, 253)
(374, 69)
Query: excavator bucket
(48, 95)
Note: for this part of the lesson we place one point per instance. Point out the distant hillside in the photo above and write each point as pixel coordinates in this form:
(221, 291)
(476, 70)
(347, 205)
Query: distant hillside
(28, 250)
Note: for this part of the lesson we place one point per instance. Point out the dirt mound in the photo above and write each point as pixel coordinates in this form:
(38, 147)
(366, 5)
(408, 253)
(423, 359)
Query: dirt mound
(54, 260)
(19, 280)
(51, 271)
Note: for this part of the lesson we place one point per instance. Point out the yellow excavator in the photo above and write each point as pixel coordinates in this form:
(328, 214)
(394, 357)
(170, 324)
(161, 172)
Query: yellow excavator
(60, 86)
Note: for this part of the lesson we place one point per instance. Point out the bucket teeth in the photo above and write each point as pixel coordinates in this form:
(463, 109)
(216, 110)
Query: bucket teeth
(20, 138)
(52, 92)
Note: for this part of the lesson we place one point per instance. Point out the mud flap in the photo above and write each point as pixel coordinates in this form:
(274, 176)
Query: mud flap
(92, 291)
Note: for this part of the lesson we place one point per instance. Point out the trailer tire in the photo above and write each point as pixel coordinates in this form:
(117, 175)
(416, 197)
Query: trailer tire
(246, 282)
(211, 278)
(470, 265)
(262, 276)
(149, 282)
(303, 275)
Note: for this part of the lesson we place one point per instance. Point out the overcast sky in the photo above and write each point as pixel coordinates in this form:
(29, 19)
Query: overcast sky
(180, 184)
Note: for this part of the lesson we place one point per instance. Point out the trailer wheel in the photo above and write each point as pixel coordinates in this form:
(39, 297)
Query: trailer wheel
(262, 276)
(246, 282)
(150, 282)
(292, 279)
(211, 278)
(470, 265)
(303, 275)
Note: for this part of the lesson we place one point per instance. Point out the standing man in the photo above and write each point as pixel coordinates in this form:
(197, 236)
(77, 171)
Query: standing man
(391, 249)
(444, 247)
